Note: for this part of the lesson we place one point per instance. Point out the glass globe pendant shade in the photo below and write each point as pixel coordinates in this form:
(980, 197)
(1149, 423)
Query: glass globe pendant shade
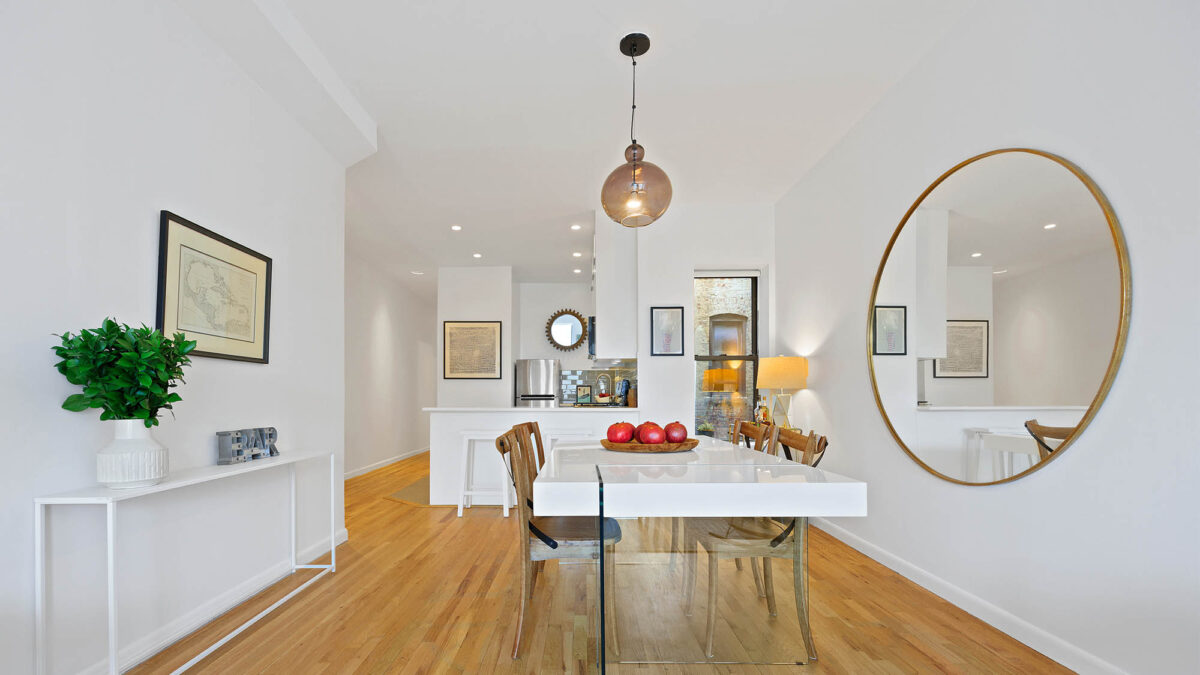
(636, 193)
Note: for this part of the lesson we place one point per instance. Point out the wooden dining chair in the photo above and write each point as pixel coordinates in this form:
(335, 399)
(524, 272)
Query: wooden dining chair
(552, 537)
(797, 446)
(1045, 435)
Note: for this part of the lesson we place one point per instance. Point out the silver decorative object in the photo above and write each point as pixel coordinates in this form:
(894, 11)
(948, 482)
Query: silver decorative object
(243, 445)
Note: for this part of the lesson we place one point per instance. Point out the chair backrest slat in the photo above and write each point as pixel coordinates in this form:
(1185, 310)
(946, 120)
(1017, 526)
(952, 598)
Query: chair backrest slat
(744, 432)
(531, 436)
(520, 464)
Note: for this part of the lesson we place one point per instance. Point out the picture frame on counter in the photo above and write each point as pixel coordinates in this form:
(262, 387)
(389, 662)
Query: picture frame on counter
(471, 350)
(583, 393)
(967, 346)
(666, 331)
(213, 290)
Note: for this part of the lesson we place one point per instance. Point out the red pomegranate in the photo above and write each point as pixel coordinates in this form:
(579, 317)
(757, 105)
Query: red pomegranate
(676, 432)
(651, 434)
(621, 432)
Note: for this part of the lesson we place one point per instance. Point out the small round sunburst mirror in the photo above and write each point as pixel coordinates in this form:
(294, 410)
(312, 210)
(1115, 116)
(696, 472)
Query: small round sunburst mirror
(566, 329)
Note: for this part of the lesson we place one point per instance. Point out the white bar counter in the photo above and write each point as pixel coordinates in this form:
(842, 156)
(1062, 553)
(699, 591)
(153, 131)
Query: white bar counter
(450, 428)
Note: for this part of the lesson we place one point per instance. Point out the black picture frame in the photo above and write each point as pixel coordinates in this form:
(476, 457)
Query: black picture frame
(165, 248)
(499, 369)
(987, 351)
(654, 335)
(875, 331)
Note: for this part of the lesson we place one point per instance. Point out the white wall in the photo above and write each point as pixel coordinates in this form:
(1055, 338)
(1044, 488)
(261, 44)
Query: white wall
(476, 294)
(1054, 331)
(536, 303)
(1115, 528)
(112, 112)
(390, 368)
(687, 238)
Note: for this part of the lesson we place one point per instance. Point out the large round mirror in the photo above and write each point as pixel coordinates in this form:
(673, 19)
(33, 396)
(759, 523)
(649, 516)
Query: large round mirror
(566, 329)
(998, 316)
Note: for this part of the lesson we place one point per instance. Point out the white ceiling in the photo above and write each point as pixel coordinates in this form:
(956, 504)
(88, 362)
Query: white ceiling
(1000, 205)
(505, 117)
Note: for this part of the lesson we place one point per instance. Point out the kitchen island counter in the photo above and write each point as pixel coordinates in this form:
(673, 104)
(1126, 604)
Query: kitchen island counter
(452, 429)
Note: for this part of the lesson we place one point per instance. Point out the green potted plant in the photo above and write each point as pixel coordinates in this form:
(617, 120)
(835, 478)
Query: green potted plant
(705, 429)
(127, 373)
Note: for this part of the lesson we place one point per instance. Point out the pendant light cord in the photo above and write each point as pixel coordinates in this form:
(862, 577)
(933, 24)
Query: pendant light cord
(633, 109)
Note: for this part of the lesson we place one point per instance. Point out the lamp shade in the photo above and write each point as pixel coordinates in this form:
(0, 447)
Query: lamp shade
(719, 379)
(783, 372)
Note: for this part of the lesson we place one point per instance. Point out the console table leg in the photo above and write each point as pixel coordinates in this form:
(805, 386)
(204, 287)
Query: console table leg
(111, 510)
(39, 587)
(292, 511)
(332, 512)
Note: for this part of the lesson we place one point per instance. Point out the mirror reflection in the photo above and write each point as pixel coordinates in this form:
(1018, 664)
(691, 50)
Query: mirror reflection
(998, 316)
(565, 329)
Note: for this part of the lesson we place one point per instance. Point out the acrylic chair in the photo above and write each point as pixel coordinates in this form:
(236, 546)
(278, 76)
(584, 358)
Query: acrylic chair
(759, 538)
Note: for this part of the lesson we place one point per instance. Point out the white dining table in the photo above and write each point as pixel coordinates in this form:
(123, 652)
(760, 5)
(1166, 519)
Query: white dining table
(717, 479)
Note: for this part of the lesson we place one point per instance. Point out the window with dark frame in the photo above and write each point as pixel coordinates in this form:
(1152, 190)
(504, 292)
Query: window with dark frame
(725, 328)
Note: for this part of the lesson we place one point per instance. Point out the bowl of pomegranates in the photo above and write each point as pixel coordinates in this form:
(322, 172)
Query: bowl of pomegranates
(648, 437)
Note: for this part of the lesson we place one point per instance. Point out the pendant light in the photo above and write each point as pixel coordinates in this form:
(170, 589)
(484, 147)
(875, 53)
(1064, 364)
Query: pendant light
(636, 193)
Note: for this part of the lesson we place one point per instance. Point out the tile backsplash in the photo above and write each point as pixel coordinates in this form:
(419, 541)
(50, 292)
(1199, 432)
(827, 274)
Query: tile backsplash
(572, 378)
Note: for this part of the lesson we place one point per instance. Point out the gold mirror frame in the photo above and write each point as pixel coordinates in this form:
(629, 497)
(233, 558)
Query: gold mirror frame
(583, 333)
(1118, 350)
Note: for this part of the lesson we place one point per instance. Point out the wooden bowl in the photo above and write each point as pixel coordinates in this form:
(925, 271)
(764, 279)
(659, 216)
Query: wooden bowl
(647, 447)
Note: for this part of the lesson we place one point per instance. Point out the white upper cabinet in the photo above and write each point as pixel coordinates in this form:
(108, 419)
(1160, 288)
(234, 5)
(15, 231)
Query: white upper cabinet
(615, 251)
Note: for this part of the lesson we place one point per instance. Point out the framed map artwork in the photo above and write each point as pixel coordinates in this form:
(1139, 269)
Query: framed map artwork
(214, 290)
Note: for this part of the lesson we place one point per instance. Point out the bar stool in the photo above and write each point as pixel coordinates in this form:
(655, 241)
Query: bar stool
(467, 488)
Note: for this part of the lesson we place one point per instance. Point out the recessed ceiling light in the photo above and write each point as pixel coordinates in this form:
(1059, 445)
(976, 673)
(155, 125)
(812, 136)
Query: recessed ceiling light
(456, 228)
(999, 271)
(976, 255)
(1049, 226)
(577, 271)
(577, 254)
(576, 227)
(416, 272)
(476, 255)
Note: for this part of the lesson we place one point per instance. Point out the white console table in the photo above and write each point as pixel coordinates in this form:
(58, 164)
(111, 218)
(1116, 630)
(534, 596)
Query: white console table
(101, 496)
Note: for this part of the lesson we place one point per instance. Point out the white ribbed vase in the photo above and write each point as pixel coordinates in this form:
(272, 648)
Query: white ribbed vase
(134, 459)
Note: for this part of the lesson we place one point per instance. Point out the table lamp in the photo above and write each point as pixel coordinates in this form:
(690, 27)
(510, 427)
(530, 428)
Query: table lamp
(780, 373)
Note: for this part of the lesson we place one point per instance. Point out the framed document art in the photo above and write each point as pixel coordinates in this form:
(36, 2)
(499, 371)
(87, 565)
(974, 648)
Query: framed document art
(666, 331)
(214, 290)
(471, 350)
(966, 350)
(889, 334)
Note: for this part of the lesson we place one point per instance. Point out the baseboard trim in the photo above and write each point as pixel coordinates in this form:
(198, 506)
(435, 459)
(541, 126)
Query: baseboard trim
(147, 646)
(1037, 638)
(390, 460)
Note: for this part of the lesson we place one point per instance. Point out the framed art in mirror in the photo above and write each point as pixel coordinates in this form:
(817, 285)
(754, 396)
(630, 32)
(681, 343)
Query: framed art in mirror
(890, 336)
(966, 350)
(214, 290)
(1015, 279)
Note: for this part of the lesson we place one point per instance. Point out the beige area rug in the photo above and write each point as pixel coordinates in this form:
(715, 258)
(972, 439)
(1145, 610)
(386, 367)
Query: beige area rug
(416, 494)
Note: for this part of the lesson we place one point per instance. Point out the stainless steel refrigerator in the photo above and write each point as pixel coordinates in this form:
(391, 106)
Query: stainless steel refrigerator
(537, 383)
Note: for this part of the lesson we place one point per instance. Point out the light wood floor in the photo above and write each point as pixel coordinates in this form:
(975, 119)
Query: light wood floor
(420, 591)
